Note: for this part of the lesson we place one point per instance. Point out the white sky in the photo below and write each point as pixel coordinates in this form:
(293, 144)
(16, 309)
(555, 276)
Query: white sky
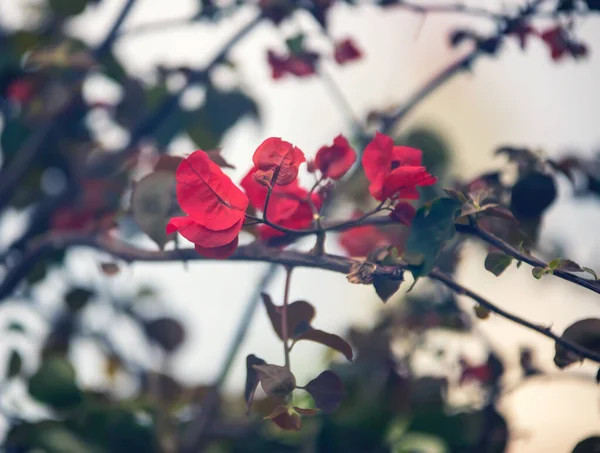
(519, 98)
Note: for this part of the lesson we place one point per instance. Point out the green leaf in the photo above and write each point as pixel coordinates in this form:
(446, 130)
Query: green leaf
(296, 44)
(590, 271)
(54, 384)
(538, 272)
(67, 7)
(221, 111)
(431, 228)
(497, 262)
(153, 203)
(584, 333)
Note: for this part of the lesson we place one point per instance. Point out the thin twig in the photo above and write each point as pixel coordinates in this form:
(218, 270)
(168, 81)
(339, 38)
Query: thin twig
(284, 316)
(477, 231)
(388, 122)
(545, 331)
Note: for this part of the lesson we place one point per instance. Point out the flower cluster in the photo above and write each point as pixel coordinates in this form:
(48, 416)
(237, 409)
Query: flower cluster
(302, 62)
(217, 209)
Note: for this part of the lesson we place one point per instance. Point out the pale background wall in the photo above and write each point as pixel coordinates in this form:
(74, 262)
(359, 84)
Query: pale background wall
(519, 98)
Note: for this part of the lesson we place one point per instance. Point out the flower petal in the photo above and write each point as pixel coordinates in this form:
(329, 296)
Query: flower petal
(335, 160)
(201, 236)
(377, 157)
(277, 161)
(207, 195)
(406, 177)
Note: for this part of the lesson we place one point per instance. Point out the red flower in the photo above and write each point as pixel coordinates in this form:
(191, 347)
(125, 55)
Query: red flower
(277, 162)
(216, 207)
(335, 160)
(301, 64)
(346, 51)
(404, 213)
(560, 44)
(394, 171)
(288, 205)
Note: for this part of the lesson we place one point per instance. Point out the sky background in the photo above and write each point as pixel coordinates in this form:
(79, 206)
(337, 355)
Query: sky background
(519, 98)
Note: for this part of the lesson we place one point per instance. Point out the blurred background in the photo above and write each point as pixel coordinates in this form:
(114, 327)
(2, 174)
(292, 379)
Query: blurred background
(89, 307)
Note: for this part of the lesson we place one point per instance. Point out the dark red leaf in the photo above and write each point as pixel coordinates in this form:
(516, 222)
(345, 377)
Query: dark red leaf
(328, 391)
(288, 421)
(404, 213)
(328, 339)
(251, 378)
(217, 158)
(298, 312)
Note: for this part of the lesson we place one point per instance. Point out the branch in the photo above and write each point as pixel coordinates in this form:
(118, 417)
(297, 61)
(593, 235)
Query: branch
(257, 252)
(545, 331)
(389, 121)
(477, 231)
(128, 253)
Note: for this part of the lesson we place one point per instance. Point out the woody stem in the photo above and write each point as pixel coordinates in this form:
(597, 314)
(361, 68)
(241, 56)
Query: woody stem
(284, 316)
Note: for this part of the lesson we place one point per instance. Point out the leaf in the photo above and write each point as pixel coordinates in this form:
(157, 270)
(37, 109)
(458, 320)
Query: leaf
(306, 411)
(277, 411)
(153, 203)
(328, 339)
(457, 195)
(15, 363)
(297, 312)
(300, 314)
(77, 298)
(167, 332)
(251, 379)
(385, 287)
(538, 272)
(54, 384)
(221, 111)
(590, 271)
(217, 158)
(497, 262)
(67, 7)
(296, 43)
(288, 421)
(532, 195)
(584, 333)
(499, 212)
(275, 380)
(328, 391)
(589, 445)
(431, 228)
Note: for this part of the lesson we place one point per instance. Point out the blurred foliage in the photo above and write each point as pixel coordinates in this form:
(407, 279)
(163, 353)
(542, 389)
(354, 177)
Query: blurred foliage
(70, 181)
